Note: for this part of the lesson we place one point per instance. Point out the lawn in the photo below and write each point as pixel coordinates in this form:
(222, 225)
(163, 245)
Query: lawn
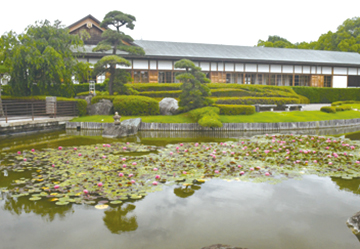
(262, 117)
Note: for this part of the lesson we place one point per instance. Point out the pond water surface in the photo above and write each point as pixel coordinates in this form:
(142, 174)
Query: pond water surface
(306, 213)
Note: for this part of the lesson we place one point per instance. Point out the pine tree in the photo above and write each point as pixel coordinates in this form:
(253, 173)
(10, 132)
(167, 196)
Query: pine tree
(194, 92)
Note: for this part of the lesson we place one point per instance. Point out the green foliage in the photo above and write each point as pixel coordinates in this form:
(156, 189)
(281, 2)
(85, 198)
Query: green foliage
(116, 40)
(328, 109)
(84, 87)
(146, 87)
(81, 103)
(97, 98)
(194, 92)
(43, 56)
(6, 90)
(303, 100)
(346, 38)
(255, 100)
(342, 108)
(121, 78)
(136, 106)
(161, 94)
(337, 103)
(206, 116)
(327, 94)
(236, 109)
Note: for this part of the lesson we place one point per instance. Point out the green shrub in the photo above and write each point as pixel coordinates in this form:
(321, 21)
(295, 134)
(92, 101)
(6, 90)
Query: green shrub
(97, 98)
(328, 109)
(136, 105)
(161, 94)
(236, 109)
(328, 95)
(206, 116)
(346, 102)
(303, 100)
(255, 100)
(342, 108)
(81, 103)
(210, 121)
(146, 87)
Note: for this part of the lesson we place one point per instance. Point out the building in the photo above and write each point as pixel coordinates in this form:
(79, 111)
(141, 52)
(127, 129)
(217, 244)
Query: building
(231, 64)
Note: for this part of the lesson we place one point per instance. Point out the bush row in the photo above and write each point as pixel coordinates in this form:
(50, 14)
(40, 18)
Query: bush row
(146, 87)
(81, 103)
(236, 109)
(331, 109)
(162, 94)
(255, 100)
(328, 95)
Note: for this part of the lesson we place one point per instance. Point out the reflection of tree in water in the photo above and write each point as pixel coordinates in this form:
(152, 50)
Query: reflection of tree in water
(352, 185)
(46, 209)
(184, 192)
(117, 222)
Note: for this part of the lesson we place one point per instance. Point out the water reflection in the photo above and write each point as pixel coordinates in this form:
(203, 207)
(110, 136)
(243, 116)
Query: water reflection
(186, 191)
(44, 208)
(117, 220)
(352, 185)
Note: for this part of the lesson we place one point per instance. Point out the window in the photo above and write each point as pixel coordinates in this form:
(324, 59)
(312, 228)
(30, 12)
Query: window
(287, 80)
(250, 78)
(278, 80)
(272, 79)
(165, 77)
(239, 78)
(259, 79)
(230, 78)
(141, 77)
(327, 81)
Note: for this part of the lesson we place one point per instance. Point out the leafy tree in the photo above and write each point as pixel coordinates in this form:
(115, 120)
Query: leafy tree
(115, 40)
(346, 38)
(194, 93)
(43, 61)
(7, 41)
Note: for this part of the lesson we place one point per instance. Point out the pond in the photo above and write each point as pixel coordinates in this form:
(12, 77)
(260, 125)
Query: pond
(298, 211)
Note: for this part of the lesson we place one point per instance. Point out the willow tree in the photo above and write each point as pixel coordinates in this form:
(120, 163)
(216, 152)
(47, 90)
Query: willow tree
(42, 62)
(194, 92)
(115, 40)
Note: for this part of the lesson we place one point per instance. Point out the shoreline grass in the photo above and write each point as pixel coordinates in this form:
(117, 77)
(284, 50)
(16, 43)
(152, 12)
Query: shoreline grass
(261, 117)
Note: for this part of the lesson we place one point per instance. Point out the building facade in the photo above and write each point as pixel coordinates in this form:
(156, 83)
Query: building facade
(230, 64)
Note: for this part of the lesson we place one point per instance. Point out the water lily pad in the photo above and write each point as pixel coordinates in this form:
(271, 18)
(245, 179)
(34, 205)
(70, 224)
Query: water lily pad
(115, 202)
(62, 203)
(101, 206)
(36, 198)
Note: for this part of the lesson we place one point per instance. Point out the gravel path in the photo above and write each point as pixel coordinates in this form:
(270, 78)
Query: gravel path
(314, 107)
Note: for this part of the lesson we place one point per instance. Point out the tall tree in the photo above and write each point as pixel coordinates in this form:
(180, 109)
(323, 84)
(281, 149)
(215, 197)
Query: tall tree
(7, 42)
(194, 92)
(115, 40)
(43, 60)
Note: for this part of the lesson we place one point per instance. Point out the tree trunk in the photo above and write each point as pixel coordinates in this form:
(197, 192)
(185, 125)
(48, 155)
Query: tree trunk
(111, 80)
(1, 107)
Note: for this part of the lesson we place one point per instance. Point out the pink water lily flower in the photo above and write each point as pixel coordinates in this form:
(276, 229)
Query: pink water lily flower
(25, 159)
(155, 169)
(132, 181)
(100, 184)
(121, 174)
(86, 191)
(32, 150)
(19, 152)
(155, 183)
(56, 186)
(157, 177)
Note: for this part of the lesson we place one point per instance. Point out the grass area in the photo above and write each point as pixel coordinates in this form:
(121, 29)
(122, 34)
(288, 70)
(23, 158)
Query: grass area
(353, 106)
(262, 117)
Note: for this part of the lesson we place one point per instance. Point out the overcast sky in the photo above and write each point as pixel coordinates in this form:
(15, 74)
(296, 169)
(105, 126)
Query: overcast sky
(232, 22)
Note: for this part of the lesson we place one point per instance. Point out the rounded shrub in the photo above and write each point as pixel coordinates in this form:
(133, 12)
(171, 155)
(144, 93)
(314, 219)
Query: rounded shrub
(342, 108)
(136, 105)
(210, 121)
(328, 109)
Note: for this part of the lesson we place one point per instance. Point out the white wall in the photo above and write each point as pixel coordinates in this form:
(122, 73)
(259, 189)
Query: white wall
(165, 65)
(339, 81)
(140, 64)
(250, 68)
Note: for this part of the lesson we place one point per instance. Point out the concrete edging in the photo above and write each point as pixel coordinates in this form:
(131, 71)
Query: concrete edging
(226, 126)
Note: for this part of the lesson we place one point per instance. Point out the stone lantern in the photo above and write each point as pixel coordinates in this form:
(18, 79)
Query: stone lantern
(116, 118)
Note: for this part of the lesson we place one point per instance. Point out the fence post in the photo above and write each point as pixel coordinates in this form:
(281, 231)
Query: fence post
(32, 111)
(6, 118)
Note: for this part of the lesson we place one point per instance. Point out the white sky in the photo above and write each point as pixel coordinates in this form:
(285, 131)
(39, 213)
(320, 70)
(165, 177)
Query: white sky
(232, 22)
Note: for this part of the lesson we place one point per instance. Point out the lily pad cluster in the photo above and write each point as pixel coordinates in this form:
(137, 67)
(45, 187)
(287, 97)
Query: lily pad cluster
(110, 174)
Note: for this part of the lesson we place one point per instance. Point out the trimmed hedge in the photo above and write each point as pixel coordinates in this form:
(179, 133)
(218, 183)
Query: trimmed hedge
(347, 102)
(135, 105)
(255, 100)
(6, 90)
(327, 95)
(328, 109)
(146, 87)
(161, 94)
(236, 109)
(97, 98)
(206, 116)
(342, 108)
(303, 100)
(81, 103)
